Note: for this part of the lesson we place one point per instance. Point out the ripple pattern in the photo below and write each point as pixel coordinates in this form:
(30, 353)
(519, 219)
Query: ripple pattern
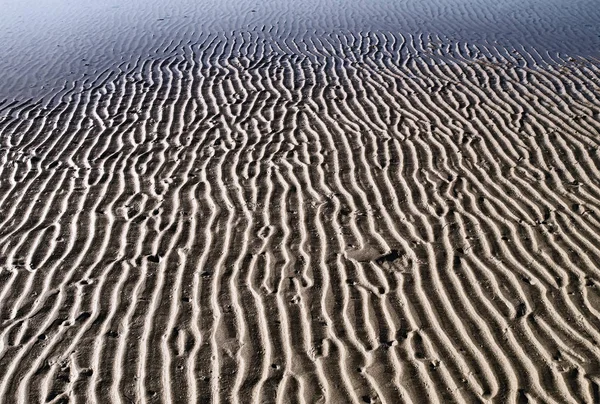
(335, 218)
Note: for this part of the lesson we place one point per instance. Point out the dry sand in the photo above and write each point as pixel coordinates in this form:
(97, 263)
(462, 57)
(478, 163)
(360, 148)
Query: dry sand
(342, 218)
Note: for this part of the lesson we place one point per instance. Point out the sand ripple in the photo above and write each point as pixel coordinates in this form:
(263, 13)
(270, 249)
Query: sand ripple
(343, 218)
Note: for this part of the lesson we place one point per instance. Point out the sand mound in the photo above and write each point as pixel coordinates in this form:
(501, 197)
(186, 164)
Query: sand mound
(345, 218)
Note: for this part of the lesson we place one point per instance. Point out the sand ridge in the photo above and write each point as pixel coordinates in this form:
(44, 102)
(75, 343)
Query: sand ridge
(344, 218)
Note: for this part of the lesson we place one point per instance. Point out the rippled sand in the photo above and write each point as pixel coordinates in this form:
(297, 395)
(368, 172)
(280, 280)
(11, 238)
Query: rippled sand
(327, 217)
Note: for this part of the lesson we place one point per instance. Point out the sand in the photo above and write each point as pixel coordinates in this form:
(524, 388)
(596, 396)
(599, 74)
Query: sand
(337, 217)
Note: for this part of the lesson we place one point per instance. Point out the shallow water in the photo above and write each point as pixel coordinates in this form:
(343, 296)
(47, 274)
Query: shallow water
(45, 43)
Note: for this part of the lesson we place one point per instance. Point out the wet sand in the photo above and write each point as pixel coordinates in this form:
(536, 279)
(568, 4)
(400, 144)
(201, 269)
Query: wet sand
(342, 216)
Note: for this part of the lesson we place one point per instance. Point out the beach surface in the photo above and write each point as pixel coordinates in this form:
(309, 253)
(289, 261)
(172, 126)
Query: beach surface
(300, 203)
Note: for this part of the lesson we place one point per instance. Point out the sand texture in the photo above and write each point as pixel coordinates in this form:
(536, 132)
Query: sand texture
(342, 218)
